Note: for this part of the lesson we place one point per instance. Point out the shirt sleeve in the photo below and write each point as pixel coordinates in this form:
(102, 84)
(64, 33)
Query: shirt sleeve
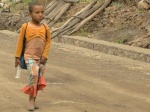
(20, 41)
(47, 44)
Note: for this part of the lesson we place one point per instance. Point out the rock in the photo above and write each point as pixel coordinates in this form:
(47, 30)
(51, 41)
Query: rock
(148, 1)
(100, 25)
(143, 42)
(6, 8)
(113, 15)
(108, 9)
(1, 5)
(143, 4)
(138, 22)
(115, 8)
(145, 24)
(147, 28)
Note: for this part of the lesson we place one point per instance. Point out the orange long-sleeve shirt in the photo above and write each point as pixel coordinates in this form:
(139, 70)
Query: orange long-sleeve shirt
(32, 33)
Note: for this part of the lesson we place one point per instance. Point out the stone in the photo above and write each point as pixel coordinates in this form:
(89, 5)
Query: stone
(143, 5)
(147, 28)
(1, 5)
(6, 8)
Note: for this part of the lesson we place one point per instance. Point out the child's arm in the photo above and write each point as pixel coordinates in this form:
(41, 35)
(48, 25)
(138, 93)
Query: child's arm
(47, 46)
(19, 45)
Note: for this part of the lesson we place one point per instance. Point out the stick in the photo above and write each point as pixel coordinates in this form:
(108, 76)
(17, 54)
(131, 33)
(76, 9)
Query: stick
(49, 5)
(55, 11)
(52, 7)
(78, 13)
(71, 1)
(63, 10)
(92, 16)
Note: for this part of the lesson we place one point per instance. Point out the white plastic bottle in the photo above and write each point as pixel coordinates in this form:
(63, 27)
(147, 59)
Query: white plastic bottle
(18, 71)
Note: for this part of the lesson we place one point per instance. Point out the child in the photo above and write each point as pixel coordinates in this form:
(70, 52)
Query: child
(37, 46)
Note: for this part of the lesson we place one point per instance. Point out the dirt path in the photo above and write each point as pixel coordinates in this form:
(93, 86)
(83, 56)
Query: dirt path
(78, 80)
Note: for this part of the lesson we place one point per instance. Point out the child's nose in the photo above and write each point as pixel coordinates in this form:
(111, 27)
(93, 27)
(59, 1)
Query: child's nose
(41, 14)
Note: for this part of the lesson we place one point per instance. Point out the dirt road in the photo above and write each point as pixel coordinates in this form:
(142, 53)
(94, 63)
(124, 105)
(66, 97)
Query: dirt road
(78, 80)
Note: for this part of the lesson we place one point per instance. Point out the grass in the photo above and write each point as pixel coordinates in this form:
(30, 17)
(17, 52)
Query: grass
(21, 6)
(118, 5)
(88, 1)
(122, 41)
(27, 1)
(81, 32)
(138, 11)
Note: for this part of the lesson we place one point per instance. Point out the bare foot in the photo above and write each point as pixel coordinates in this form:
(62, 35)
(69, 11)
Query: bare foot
(31, 104)
(35, 106)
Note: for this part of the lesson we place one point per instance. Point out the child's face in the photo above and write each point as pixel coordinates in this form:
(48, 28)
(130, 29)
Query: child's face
(37, 13)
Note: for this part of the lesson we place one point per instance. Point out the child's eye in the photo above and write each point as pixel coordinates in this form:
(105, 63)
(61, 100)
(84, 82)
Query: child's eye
(42, 12)
(36, 12)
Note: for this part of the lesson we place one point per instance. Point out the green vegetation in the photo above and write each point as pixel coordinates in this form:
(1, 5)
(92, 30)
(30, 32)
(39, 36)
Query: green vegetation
(138, 11)
(27, 1)
(20, 6)
(121, 41)
(81, 32)
(89, 1)
(118, 5)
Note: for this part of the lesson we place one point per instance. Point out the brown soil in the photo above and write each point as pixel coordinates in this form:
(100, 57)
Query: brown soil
(121, 24)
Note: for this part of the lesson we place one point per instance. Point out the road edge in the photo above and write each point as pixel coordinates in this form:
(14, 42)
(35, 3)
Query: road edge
(121, 50)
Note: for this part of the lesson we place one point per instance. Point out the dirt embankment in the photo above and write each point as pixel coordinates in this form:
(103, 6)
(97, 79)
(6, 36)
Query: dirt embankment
(118, 23)
(121, 24)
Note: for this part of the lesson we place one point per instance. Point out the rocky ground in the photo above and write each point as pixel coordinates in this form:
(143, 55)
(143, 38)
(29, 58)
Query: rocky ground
(118, 23)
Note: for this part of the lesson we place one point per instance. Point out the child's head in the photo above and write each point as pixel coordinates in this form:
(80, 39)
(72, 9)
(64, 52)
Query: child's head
(36, 11)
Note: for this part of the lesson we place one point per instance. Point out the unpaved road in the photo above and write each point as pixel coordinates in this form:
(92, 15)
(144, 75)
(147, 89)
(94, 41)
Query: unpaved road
(78, 80)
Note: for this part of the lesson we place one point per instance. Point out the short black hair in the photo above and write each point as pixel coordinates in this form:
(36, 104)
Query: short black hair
(32, 4)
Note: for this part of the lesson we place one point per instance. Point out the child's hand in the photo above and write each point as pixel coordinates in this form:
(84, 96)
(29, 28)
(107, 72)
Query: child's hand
(43, 60)
(17, 61)
(42, 69)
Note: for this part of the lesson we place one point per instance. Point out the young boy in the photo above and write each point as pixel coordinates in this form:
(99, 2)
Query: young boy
(36, 51)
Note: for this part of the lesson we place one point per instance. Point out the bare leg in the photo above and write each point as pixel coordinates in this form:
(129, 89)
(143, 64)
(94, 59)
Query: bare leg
(31, 103)
(35, 106)
(33, 82)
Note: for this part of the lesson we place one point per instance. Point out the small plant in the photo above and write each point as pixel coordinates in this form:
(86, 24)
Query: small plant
(24, 2)
(121, 26)
(27, 1)
(118, 5)
(138, 12)
(122, 41)
(81, 32)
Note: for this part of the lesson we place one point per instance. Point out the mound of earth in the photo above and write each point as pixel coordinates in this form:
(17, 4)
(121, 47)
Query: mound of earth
(121, 24)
